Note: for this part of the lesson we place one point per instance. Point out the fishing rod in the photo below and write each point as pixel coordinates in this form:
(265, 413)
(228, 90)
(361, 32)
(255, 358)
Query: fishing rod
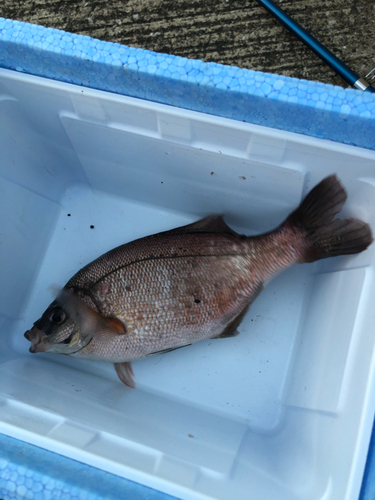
(312, 43)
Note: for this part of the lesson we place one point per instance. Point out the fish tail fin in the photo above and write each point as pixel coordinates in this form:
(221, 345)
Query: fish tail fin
(325, 236)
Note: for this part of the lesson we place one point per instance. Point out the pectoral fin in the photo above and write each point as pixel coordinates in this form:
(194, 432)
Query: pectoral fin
(164, 351)
(90, 322)
(125, 373)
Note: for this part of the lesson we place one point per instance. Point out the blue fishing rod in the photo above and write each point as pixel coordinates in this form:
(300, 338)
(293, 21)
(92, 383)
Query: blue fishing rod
(312, 43)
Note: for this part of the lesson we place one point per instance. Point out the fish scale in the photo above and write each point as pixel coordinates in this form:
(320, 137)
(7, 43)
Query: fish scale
(154, 313)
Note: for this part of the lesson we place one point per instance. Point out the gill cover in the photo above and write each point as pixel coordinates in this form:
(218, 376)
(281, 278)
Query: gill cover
(89, 322)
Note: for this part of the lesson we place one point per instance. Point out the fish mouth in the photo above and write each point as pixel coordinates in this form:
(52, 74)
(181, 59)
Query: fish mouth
(35, 336)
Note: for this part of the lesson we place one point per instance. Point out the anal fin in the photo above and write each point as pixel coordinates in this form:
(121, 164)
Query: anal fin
(228, 332)
(125, 373)
(231, 329)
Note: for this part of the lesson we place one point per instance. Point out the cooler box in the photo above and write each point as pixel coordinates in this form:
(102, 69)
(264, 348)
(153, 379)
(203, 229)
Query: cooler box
(283, 411)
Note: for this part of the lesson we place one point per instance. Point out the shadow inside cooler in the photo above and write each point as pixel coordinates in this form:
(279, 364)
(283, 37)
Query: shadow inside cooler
(275, 412)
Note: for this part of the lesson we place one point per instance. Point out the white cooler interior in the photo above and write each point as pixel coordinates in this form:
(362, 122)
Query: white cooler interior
(284, 410)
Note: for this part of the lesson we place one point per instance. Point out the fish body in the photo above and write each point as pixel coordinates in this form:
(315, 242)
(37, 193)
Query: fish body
(172, 289)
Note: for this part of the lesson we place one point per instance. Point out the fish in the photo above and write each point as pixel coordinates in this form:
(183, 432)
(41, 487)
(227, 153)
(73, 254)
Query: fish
(172, 289)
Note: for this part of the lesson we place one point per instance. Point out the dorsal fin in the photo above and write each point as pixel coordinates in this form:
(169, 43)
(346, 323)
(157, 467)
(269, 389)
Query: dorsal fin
(209, 224)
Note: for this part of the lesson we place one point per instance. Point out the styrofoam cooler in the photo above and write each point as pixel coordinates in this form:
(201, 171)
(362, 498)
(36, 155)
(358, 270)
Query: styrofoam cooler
(283, 411)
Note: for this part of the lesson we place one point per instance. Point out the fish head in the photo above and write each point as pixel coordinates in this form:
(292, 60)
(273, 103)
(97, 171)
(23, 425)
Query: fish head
(56, 331)
(69, 324)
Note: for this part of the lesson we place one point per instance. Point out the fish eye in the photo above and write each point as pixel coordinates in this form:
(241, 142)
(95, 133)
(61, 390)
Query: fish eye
(57, 316)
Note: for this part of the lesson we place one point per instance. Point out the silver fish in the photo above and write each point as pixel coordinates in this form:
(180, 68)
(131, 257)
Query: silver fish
(171, 289)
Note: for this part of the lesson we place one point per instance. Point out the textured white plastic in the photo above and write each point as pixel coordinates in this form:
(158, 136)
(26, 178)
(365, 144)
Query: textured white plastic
(283, 411)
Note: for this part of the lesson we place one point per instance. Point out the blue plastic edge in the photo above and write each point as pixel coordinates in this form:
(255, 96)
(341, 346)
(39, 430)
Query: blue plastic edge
(29, 472)
(310, 108)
